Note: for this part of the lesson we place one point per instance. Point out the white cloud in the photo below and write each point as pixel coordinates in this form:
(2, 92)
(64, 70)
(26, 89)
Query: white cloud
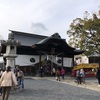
(38, 28)
(53, 15)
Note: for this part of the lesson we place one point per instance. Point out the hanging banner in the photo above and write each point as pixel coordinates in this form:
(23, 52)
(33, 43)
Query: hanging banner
(67, 62)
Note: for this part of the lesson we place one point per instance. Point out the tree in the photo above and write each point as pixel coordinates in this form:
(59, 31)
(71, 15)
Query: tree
(85, 33)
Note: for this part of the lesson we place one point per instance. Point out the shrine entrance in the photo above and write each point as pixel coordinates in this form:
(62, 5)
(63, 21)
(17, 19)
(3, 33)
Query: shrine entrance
(57, 52)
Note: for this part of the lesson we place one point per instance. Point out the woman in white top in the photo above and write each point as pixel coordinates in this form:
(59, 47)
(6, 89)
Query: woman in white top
(7, 80)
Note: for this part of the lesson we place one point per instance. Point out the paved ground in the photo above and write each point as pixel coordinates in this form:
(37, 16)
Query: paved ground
(91, 83)
(45, 88)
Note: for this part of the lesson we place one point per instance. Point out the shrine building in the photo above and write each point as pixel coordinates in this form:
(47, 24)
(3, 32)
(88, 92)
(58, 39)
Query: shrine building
(46, 51)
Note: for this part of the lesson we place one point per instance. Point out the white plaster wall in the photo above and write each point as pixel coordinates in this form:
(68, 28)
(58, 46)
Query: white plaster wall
(24, 60)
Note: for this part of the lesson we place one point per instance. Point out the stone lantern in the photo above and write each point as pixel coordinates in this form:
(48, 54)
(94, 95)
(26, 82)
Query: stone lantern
(11, 47)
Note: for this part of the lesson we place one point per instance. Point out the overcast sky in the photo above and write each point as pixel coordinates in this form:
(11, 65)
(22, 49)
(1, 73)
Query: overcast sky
(43, 17)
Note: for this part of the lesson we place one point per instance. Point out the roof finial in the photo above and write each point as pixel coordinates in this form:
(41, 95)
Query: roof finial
(56, 35)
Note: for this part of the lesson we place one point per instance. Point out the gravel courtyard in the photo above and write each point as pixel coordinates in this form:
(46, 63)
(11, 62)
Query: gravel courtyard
(43, 89)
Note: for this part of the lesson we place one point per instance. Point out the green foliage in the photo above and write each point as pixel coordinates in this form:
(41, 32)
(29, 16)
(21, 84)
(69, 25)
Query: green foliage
(85, 33)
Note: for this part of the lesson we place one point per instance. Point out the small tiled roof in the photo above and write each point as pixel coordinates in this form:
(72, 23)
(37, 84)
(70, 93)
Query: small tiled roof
(58, 44)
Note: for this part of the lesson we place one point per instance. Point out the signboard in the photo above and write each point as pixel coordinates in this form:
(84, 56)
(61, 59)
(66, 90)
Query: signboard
(81, 66)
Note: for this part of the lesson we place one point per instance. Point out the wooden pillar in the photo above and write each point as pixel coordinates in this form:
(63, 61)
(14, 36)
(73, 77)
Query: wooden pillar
(40, 61)
(62, 62)
(73, 61)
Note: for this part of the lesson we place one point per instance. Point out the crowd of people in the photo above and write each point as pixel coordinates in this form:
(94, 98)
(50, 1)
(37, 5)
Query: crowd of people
(58, 73)
(55, 72)
(10, 79)
(80, 75)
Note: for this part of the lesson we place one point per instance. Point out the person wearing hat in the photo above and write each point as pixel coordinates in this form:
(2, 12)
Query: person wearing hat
(7, 80)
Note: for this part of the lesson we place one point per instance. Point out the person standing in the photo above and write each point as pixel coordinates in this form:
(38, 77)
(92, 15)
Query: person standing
(7, 80)
(78, 77)
(41, 71)
(63, 73)
(82, 73)
(0, 77)
(53, 71)
(20, 77)
(98, 76)
(16, 70)
(1, 72)
(58, 74)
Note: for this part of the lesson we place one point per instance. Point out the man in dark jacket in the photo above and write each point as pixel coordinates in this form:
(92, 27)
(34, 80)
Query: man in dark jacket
(98, 75)
(41, 71)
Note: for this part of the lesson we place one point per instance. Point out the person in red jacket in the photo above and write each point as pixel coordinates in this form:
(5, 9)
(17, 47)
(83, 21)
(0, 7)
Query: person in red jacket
(63, 73)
